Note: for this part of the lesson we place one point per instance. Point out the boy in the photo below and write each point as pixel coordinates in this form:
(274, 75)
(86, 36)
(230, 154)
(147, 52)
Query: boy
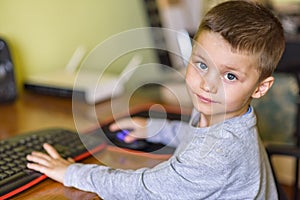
(219, 154)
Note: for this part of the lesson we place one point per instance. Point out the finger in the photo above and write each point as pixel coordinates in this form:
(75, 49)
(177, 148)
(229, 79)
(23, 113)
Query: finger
(129, 139)
(51, 151)
(41, 155)
(40, 161)
(37, 167)
(113, 127)
(135, 135)
(121, 124)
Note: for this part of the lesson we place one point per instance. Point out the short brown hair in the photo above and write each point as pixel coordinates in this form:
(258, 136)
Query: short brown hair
(249, 28)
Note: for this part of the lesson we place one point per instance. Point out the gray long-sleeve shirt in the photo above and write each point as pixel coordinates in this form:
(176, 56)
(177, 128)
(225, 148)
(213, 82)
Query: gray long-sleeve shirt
(224, 161)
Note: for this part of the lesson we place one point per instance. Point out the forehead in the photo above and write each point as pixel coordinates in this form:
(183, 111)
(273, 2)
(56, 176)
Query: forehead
(214, 49)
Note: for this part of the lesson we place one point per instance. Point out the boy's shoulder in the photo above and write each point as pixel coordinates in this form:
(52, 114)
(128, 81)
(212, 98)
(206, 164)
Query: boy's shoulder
(230, 135)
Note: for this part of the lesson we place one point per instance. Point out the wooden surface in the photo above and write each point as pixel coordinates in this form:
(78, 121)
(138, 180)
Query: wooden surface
(34, 111)
(111, 156)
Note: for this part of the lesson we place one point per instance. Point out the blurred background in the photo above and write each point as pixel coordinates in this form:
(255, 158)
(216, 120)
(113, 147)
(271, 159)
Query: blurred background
(44, 34)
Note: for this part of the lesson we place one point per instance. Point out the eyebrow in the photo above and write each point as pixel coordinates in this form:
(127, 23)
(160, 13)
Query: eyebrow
(199, 55)
(235, 69)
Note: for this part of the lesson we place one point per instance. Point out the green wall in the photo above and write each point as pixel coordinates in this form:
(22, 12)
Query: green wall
(43, 34)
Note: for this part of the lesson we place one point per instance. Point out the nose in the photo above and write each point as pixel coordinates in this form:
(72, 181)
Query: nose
(209, 82)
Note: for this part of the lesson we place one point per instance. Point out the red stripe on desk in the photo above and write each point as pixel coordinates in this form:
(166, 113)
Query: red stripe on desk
(43, 177)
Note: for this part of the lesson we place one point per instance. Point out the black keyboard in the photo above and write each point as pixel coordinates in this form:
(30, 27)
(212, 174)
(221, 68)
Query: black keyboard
(15, 177)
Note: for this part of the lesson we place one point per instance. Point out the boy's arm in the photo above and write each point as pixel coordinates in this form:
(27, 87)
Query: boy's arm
(171, 179)
(151, 129)
(164, 131)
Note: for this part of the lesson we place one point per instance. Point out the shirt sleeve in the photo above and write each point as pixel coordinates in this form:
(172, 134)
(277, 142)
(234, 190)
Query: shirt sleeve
(177, 177)
(108, 183)
(167, 132)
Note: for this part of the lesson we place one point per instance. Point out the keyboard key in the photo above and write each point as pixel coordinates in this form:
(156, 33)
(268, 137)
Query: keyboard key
(13, 171)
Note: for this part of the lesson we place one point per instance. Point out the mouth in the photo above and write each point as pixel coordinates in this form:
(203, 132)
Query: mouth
(205, 99)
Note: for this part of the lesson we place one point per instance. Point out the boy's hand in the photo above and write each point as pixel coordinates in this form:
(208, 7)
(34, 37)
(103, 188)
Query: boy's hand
(136, 125)
(53, 165)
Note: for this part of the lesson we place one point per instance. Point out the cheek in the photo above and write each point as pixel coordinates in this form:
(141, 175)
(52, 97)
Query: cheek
(236, 98)
(191, 77)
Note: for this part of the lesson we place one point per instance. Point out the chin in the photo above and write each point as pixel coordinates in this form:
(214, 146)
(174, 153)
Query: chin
(206, 110)
(212, 109)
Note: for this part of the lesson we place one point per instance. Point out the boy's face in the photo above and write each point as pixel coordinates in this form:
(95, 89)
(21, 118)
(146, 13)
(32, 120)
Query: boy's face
(220, 82)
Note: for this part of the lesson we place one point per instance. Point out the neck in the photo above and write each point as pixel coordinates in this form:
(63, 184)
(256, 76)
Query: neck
(209, 120)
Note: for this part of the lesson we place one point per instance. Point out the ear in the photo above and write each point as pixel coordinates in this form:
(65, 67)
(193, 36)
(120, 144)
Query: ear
(263, 87)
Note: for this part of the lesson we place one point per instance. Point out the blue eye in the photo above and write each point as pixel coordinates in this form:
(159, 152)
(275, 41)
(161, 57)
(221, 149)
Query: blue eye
(231, 77)
(202, 66)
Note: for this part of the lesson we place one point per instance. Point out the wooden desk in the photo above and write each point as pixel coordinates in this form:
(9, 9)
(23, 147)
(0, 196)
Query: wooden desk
(32, 111)
(111, 156)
